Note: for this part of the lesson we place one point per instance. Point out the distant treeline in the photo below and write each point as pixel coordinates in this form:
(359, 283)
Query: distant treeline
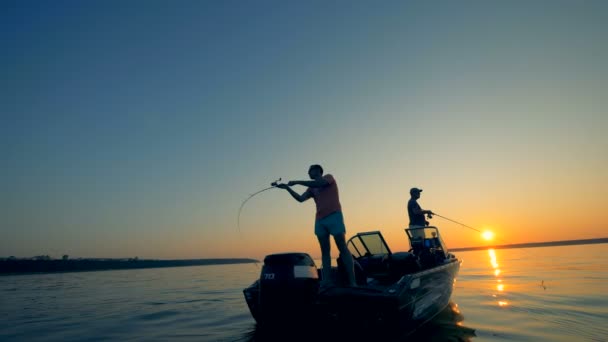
(535, 244)
(22, 266)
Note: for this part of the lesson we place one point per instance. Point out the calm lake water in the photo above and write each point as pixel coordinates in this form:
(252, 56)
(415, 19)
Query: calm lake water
(534, 294)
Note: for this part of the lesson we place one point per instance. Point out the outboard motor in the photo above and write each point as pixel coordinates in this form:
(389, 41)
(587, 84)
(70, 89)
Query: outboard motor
(289, 285)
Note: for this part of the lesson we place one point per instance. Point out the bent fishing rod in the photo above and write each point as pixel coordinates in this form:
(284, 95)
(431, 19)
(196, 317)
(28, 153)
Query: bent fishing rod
(272, 186)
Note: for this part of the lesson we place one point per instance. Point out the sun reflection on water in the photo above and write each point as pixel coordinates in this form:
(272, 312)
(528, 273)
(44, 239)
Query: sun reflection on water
(500, 287)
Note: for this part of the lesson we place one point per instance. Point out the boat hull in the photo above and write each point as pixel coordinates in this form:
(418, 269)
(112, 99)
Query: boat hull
(411, 301)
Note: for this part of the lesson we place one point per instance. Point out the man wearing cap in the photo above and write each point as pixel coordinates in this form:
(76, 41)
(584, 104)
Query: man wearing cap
(416, 214)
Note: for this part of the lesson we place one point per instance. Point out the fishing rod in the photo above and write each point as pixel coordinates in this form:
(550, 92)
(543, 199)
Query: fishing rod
(462, 224)
(542, 284)
(524, 249)
(272, 186)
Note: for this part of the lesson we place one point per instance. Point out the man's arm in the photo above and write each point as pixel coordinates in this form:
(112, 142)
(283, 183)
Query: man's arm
(300, 198)
(316, 183)
(420, 211)
(311, 184)
(417, 210)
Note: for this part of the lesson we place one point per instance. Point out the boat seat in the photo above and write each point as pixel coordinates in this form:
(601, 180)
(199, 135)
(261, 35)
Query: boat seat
(389, 267)
(374, 266)
(402, 263)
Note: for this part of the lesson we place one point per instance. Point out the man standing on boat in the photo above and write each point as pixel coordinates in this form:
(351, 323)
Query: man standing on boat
(328, 220)
(416, 214)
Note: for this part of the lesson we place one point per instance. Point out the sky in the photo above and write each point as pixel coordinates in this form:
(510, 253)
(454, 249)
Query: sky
(138, 128)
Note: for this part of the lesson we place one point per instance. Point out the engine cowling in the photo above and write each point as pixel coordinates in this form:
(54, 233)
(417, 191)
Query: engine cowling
(289, 284)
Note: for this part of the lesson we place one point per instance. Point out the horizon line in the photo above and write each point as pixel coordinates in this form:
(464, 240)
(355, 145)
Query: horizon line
(535, 244)
(457, 249)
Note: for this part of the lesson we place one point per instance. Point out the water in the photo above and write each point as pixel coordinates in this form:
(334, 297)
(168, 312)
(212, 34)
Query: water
(537, 294)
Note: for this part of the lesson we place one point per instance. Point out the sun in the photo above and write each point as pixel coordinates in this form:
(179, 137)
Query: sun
(487, 235)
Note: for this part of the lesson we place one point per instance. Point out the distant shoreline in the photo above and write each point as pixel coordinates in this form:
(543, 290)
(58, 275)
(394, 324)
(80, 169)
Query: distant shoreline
(534, 244)
(28, 266)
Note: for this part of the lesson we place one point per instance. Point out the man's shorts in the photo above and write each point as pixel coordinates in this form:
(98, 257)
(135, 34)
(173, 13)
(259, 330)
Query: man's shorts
(332, 224)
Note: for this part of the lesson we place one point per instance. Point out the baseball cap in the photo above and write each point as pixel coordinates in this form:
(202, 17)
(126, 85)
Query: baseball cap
(412, 190)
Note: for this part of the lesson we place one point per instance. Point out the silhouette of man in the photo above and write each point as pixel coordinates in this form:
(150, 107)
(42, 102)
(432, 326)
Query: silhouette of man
(416, 214)
(328, 220)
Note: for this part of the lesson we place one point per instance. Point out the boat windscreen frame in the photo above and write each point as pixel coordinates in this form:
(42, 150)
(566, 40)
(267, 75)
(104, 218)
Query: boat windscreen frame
(360, 237)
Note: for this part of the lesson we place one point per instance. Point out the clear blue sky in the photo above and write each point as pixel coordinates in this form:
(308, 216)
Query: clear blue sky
(138, 127)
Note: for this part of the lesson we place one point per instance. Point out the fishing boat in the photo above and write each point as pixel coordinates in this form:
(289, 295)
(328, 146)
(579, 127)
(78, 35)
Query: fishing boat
(404, 289)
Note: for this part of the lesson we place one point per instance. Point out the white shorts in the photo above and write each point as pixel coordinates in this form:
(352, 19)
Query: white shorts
(332, 224)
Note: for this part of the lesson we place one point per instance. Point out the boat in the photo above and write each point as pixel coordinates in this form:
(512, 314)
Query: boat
(400, 289)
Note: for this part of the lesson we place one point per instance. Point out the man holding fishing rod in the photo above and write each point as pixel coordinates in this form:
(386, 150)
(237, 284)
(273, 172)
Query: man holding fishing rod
(414, 211)
(328, 219)
(416, 214)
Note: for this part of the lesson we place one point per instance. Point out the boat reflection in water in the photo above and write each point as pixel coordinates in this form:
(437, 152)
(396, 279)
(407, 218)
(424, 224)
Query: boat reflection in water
(446, 326)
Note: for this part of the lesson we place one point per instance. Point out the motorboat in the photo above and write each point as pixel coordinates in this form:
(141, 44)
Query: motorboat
(405, 288)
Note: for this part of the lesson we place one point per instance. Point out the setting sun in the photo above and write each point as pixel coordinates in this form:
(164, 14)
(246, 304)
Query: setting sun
(487, 235)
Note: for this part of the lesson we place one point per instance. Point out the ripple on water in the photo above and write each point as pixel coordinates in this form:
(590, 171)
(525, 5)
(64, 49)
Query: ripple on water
(157, 315)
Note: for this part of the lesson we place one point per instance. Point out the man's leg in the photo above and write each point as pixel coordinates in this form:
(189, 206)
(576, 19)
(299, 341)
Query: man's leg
(417, 234)
(325, 257)
(346, 257)
(417, 239)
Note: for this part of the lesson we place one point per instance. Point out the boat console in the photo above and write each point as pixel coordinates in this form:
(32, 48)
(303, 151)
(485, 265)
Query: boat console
(427, 245)
(372, 253)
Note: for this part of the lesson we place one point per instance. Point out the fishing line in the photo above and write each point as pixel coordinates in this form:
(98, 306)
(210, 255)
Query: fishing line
(462, 224)
(510, 304)
(479, 231)
(524, 249)
(238, 219)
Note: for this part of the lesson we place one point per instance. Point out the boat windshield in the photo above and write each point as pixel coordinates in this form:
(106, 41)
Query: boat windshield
(425, 233)
(368, 243)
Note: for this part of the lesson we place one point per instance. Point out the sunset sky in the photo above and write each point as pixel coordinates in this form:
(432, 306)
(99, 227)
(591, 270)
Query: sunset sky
(137, 128)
